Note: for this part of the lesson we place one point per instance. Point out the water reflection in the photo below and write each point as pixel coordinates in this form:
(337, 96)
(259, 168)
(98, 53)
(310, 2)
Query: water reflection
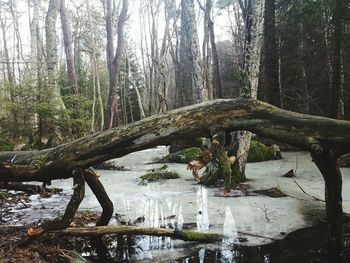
(202, 208)
(228, 253)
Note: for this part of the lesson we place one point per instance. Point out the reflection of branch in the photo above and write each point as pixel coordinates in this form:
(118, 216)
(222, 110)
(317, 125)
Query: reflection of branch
(256, 235)
(314, 197)
(264, 209)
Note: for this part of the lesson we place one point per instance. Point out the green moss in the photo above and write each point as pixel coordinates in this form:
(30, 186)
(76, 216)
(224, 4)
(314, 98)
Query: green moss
(198, 236)
(159, 174)
(184, 156)
(259, 152)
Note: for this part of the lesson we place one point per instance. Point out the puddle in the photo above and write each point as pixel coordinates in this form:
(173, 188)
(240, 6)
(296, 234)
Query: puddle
(251, 223)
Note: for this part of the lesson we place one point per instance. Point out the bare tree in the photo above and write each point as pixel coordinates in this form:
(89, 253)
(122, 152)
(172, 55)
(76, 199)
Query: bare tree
(68, 49)
(114, 60)
(95, 72)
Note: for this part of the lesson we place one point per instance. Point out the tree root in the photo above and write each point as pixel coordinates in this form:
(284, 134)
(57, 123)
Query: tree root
(97, 188)
(67, 218)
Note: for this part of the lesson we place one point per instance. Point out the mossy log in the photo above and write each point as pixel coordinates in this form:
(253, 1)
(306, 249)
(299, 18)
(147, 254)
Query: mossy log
(189, 122)
(186, 235)
(201, 120)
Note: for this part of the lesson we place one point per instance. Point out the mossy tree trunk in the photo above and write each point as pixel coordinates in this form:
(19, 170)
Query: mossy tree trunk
(200, 120)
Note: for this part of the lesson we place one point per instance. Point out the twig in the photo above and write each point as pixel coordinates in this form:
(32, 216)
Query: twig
(314, 197)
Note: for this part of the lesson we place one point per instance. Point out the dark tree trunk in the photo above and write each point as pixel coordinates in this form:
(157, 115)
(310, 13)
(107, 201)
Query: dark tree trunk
(271, 55)
(337, 102)
(327, 162)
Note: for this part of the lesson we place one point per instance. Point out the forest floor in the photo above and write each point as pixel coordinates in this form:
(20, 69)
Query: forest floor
(49, 248)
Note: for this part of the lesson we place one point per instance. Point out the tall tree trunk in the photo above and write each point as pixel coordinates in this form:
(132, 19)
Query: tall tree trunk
(271, 55)
(72, 77)
(215, 87)
(250, 76)
(190, 89)
(37, 57)
(303, 80)
(217, 83)
(53, 95)
(205, 48)
(114, 62)
(95, 66)
(337, 103)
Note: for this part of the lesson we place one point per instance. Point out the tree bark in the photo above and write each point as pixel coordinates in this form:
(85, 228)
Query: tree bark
(190, 85)
(53, 94)
(250, 77)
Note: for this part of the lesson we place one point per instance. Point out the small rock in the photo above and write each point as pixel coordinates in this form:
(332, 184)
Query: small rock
(289, 174)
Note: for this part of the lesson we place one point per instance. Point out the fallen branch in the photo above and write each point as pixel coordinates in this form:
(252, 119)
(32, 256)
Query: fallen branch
(186, 235)
(313, 197)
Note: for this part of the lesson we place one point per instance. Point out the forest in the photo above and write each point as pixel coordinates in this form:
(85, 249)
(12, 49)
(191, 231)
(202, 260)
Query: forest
(226, 104)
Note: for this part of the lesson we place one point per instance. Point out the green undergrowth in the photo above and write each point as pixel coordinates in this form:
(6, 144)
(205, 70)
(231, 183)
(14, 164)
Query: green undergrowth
(259, 152)
(184, 156)
(158, 174)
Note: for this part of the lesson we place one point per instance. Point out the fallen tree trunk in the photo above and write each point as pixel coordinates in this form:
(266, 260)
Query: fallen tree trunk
(323, 137)
(188, 122)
